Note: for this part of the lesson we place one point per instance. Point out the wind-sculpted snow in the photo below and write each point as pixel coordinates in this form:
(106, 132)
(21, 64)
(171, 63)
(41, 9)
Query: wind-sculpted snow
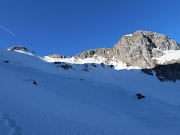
(100, 101)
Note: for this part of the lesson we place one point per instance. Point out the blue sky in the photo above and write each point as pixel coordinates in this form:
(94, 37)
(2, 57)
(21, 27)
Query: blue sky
(69, 27)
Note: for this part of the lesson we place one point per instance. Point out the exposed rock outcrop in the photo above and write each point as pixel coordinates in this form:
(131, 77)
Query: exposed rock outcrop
(164, 73)
(139, 48)
(140, 96)
(21, 48)
(106, 53)
(57, 56)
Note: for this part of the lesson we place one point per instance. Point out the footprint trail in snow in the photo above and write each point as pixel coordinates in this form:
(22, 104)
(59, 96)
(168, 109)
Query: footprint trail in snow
(11, 124)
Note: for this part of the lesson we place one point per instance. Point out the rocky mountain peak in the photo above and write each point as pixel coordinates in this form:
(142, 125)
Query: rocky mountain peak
(21, 48)
(139, 48)
(152, 39)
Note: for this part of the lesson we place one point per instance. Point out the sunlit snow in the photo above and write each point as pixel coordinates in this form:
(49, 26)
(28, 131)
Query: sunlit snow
(99, 101)
(170, 55)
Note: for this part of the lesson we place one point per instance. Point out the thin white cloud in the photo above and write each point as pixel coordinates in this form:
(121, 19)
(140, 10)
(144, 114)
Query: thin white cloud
(7, 30)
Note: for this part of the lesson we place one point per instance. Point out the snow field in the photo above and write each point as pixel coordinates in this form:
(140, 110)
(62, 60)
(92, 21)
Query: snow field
(101, 101)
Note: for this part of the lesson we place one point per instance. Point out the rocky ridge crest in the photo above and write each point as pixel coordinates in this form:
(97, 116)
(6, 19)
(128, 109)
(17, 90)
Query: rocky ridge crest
(56, 56)
(138, 49)
(21, 48)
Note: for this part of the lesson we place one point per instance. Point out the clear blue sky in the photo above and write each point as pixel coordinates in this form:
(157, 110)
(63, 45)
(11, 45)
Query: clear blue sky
(69, 27)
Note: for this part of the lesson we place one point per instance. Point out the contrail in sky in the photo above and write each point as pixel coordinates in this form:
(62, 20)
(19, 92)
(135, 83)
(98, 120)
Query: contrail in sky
(7, 30)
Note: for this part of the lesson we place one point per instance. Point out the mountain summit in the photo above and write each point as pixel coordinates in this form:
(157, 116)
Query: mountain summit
(139, 49)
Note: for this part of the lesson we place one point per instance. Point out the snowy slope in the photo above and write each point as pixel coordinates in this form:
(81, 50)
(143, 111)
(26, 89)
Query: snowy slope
(171, 56)
(95, 101)
(118, 65)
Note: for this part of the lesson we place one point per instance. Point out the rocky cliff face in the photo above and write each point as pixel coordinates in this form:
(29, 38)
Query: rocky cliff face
(165, 73)
(137, 49)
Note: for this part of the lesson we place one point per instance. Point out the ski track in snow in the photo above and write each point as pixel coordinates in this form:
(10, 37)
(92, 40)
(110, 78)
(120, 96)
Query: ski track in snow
(11, 125)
